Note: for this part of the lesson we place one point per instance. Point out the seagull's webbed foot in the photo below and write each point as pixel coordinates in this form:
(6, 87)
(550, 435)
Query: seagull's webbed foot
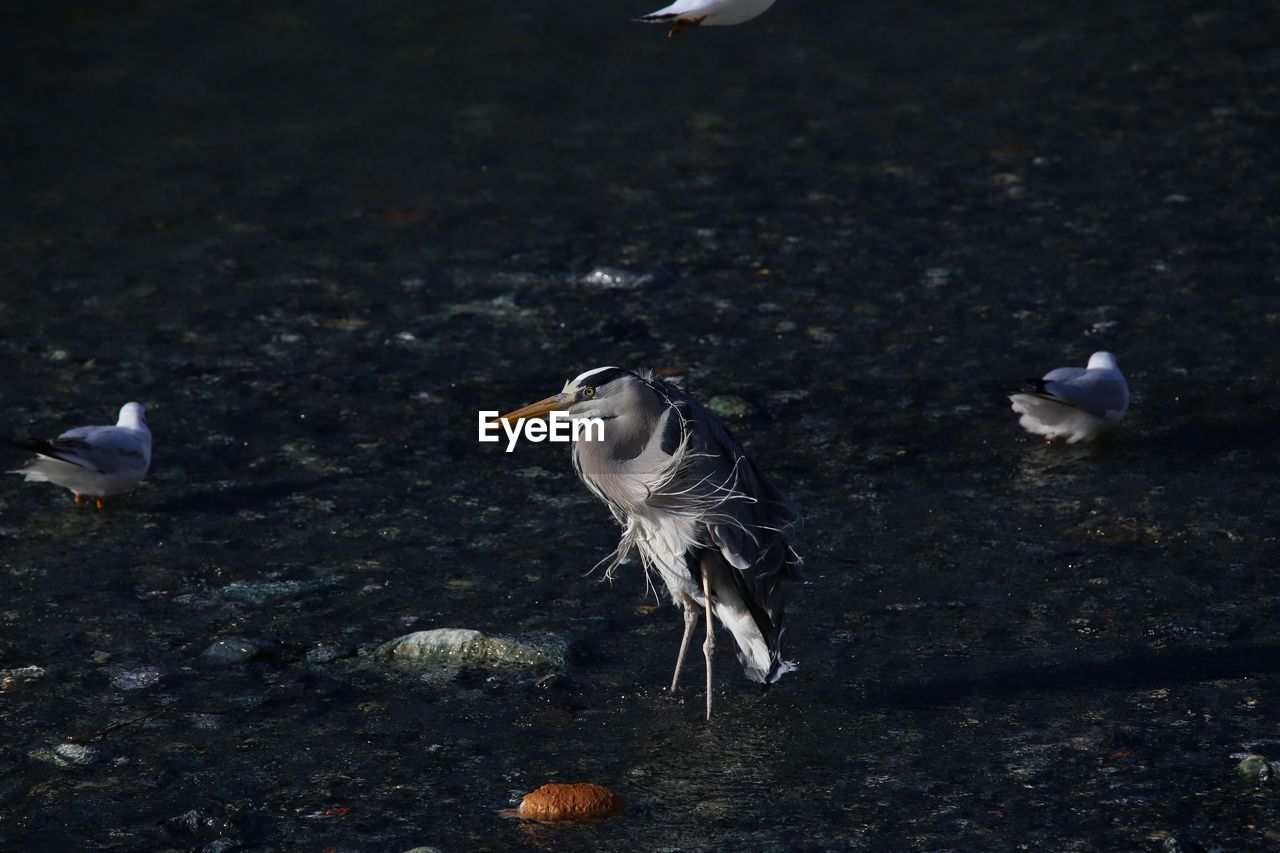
(102, 504)
(683, 24)
(79, 498)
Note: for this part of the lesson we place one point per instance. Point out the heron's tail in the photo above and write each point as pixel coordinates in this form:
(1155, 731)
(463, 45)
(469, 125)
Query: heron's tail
(751, 611)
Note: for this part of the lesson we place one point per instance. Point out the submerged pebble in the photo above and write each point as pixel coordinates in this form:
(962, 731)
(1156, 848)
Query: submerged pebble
(618, 278)
(575, 801)
(236, 650)
(462, 647)
(1256, 768)
(68, 754)
(326, 651)
(729, 407)
(10, 677)
(136, 679)
(265, 592)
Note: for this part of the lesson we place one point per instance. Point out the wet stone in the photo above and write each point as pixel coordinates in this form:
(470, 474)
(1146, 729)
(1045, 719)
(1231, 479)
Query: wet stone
(729, 407)
(465, 647)
(68, 754)
(619, 278)
(324, 652)
(264, 592)
(1256, 768)
(237, 650)
(137, 679)
(11, 677)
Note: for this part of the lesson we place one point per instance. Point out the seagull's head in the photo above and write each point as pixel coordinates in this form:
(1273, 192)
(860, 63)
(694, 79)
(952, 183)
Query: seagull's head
(133, 416)
(1102, 361)
(604, 392)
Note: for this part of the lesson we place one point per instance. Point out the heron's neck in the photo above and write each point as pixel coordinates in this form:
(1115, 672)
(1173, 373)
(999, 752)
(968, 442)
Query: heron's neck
(627, 435)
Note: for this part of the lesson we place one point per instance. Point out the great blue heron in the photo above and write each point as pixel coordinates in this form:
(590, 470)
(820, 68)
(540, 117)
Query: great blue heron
(93, 460)
(1075, 403)
(702, 517)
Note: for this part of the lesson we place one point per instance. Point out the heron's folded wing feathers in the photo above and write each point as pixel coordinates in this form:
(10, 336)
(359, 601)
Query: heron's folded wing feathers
(751, 517)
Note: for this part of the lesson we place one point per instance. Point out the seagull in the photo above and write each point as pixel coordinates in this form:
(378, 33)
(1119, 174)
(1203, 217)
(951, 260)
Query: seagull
(701, 515)
(1074, 403)
(687, 14)
(93, 460)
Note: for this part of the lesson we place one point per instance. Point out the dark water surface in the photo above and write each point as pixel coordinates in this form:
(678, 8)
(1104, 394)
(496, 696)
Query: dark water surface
(316, 237)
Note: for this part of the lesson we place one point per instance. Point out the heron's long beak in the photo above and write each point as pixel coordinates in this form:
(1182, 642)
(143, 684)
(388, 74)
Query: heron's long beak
(539, 409)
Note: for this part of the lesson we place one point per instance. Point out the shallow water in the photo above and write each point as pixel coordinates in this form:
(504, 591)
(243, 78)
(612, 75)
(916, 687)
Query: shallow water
(315, 239)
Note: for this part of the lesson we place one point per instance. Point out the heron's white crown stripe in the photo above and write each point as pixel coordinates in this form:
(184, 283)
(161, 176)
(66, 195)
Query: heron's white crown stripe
(559, 426)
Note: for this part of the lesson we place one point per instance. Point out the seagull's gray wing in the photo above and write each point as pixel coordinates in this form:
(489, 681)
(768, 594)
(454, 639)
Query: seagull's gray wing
(1094, 391)
(106, 449)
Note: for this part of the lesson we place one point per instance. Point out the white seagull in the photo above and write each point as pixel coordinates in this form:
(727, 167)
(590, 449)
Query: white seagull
(93, 460)
(1074, 403)
(686, 14)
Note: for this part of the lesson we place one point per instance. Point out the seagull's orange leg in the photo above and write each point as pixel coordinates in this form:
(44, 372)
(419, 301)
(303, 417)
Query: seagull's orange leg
(683, 24)
(101, 504)
(79, 498)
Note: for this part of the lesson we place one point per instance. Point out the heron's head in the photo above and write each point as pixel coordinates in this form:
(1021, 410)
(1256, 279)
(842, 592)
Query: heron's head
(133, 416)
(1102, 360)
(605, 392)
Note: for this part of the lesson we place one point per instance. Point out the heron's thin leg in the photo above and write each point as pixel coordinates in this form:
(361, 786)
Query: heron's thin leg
(710, 647)
(690, 608)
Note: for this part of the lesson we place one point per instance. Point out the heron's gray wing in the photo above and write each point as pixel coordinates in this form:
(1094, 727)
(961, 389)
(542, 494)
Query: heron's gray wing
(751, 517)
(744, 522)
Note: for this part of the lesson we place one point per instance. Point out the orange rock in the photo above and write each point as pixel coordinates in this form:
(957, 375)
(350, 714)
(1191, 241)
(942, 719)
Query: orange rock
(557, 801)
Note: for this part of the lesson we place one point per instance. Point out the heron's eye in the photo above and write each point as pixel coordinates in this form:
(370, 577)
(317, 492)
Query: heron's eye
(588, 392)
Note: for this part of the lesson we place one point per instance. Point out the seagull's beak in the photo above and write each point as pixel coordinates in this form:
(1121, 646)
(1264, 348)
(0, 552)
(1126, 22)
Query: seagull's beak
(539, 409)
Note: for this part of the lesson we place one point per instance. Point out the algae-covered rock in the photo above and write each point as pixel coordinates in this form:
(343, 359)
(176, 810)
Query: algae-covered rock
(729, 407)
(465, 647)
(1256, 768)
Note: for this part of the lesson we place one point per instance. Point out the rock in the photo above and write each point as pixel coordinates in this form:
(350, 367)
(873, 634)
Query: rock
(264, 592)
(618, 278)
(1257, 768)
(236, 650)
(577, 801)
(728, 407)
(222, 845)
(136, 679)
(10, 677)
(68, 754)
(464, 647)
(325, 651)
